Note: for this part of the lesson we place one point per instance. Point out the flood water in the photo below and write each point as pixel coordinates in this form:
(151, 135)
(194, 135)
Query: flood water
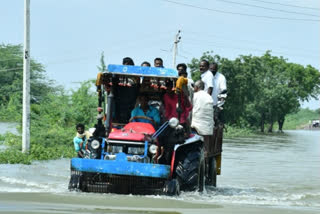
(8, 127)
(266, 174)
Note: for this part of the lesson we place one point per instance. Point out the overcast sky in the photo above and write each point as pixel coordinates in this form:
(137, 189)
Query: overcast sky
(69, 36)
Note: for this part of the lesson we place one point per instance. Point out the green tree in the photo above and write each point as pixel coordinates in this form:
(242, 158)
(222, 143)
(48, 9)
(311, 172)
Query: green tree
(11, 75)
(262, 90)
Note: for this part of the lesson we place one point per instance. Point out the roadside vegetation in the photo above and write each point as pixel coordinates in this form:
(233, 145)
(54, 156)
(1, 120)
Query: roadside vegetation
(301, 119)
(54, 112)
(261, 90)
(53, 126)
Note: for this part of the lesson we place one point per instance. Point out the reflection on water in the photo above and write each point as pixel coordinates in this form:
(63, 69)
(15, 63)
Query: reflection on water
(281, 171)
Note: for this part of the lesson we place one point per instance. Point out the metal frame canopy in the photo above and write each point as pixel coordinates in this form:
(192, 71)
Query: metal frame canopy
(141, 71)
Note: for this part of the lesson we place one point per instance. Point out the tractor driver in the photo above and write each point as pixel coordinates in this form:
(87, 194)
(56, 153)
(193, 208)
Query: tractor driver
(144, 110)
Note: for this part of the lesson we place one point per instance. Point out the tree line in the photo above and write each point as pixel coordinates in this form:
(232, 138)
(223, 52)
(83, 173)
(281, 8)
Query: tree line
(54, 111)
(262, 90)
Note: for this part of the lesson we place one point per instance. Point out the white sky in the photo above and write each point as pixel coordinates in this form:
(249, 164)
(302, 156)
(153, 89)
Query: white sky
(69, 36)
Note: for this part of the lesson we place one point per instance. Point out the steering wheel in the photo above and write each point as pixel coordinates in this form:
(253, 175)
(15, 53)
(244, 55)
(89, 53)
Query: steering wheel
(143, 117)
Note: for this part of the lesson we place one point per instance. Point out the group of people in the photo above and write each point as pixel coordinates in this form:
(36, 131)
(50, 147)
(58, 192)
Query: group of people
(158, 62)
(196, 104)
(170, 101)
(206, 97)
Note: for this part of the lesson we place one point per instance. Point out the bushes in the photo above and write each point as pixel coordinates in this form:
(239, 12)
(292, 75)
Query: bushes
(234, 131)
(53, 123)
(300, 119)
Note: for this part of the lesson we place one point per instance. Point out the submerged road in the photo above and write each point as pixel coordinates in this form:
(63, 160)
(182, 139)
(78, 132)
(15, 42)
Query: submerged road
(266, 174)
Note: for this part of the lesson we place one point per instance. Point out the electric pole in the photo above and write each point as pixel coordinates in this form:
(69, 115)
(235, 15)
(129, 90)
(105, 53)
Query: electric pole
(26, 80)
(175, 47)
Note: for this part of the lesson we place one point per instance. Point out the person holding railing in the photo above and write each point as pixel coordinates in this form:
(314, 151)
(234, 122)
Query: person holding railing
(144, 112)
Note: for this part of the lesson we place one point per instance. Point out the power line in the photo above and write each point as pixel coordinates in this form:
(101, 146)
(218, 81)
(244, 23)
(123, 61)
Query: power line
(201, 34)
(268, 8)
(211, 44)
(118, 47)
(241, 14)
(288, 5)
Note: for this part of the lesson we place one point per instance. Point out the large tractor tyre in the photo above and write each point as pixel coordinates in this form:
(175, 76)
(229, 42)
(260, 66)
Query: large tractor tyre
(74, 183)
(77, 183)
(211, 179)
(190, 170)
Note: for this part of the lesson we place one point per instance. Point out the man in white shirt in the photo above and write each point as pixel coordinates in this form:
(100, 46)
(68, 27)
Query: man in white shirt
(206, 76)
(202, 115)
(202, 112)
(216, 140)
(219, 82)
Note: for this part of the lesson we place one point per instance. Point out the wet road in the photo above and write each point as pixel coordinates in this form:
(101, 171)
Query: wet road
(266, 174)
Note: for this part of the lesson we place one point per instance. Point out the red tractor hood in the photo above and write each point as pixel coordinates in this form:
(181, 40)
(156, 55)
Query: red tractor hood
(134, 131)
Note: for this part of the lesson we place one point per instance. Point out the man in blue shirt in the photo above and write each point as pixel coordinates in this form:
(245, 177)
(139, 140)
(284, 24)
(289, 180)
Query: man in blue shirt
(145, 110)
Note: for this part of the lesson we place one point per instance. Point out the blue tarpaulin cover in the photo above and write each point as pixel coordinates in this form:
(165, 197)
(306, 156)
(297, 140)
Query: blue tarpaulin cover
(142, 71)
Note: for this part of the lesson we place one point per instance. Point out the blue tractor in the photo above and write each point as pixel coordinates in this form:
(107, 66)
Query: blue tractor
(131, 155)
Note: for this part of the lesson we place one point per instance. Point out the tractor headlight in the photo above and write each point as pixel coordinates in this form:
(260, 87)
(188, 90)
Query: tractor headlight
(153, 149)
(95, 144)
(173, 122)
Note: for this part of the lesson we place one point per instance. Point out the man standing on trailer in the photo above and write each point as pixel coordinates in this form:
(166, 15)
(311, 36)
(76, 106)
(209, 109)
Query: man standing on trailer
(182, 71)
(206, 76)
(219, 82)
(158, 62)
(214, 155)
(202, 114)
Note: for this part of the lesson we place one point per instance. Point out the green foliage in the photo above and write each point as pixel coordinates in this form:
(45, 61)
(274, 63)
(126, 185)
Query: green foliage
(234, 131)
(262, 90)
(11, 140)
(194, 64)
(53, 123)
(11, 75)
(54, 113)
(37, 152)
(300, 119)
(14, 156)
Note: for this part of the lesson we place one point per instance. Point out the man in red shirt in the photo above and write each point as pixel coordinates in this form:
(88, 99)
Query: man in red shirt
(170, 100)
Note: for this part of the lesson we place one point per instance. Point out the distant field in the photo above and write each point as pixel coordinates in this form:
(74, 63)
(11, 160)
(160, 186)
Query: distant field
(300, 119)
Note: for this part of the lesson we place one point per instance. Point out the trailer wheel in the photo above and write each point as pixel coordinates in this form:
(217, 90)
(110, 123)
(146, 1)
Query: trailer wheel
(211, 178)
(202, 176)
(190, 170)
(172, 187)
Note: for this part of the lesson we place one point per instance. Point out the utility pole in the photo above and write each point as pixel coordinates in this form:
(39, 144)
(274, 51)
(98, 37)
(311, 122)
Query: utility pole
(26, 80)
(175, 47)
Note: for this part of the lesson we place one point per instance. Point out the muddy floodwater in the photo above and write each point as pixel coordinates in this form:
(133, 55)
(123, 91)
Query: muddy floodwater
(267, 174)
